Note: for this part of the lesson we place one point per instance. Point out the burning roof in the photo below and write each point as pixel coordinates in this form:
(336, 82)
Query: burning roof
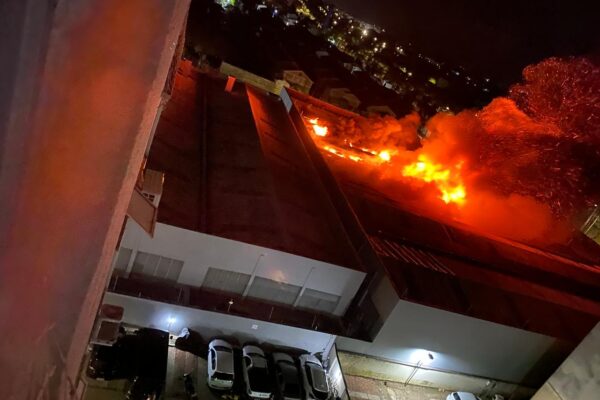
(521, 168)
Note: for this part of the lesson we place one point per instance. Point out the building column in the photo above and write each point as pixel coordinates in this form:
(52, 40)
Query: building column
(81, 84)
(578, 377)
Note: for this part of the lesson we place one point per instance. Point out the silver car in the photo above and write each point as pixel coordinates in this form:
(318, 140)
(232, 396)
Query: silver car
(462, 396)
(220, 365)
(314, 379)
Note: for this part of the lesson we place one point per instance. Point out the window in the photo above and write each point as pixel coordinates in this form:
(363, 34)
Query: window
(157, 266)
(213, 358)
(222, 376)
(123, 258)
(319, 301)
(277, 292)
(226, 281)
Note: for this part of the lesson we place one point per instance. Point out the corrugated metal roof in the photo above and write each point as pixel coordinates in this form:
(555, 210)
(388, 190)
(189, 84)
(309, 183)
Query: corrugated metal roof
(408, 254)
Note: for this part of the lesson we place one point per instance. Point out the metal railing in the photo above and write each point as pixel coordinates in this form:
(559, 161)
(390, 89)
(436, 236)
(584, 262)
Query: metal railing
(227, 303)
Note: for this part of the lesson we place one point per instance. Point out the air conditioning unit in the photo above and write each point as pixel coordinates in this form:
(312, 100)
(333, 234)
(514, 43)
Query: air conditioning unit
(152, 185)
(108, 325)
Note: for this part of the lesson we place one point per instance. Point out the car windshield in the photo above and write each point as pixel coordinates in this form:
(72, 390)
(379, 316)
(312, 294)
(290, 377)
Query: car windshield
(258, 360)
(223, 376)
(317, 380)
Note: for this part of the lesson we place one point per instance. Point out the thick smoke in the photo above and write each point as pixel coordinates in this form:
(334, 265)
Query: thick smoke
(529, 162)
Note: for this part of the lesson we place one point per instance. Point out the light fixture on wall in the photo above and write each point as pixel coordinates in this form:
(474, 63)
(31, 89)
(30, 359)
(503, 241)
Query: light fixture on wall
(423, 357)
(170, 321)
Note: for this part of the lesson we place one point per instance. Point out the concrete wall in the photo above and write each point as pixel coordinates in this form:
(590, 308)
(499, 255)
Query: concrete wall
(458, 343)
(358, 365)
(142, 312)
(578, 378)
(199, 251)
(80, 85)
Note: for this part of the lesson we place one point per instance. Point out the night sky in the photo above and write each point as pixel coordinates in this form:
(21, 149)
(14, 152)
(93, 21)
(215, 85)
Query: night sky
(489, 37)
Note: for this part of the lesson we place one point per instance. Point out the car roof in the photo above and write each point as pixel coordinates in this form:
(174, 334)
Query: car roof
(466, 396)
(289, 372)
(224, 362)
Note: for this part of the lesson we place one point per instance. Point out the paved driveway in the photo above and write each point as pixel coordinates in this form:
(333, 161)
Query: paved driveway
(361, 388)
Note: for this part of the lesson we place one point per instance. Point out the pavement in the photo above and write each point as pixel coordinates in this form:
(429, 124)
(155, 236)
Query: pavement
(179, 363)
(360, 388)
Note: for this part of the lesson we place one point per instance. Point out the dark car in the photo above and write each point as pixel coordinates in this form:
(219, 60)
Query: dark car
(112, 362)
(191, 342)
(144, 388)
(256, 373)
(286, 374)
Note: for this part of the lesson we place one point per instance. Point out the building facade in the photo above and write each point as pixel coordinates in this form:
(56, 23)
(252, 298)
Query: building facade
(258, 237)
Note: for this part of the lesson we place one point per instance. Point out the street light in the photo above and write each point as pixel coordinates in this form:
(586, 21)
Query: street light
(170, 322)
(424, 357)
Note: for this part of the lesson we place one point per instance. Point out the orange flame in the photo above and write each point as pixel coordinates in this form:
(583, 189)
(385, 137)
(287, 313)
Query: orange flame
(385, 155)
(320, 130)
(447, 180)
(450, 185)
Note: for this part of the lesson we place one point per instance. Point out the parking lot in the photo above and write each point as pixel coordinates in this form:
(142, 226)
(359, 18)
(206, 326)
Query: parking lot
(180, 363)
(112, 377)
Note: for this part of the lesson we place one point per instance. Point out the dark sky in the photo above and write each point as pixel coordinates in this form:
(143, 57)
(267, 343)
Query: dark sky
(490, 37)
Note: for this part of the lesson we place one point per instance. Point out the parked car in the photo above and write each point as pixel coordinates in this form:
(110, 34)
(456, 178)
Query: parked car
(220, 365)
(256, 373)
(314, 379)
(287, 378)
(144, 388)
(190, 341)
(462, 396)
(113, 362)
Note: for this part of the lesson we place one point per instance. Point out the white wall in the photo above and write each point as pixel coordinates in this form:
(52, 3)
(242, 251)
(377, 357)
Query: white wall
(154, 314)
(200, 251)
(459, 343)
(578, 377)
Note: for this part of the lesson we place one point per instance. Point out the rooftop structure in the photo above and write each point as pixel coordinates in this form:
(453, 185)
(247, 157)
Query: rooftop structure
(256, 221)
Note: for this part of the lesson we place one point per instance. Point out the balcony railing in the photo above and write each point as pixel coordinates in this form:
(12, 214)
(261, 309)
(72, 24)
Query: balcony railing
(227, 303)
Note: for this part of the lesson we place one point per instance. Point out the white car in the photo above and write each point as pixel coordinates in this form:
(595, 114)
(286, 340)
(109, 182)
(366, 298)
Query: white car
(462, 396)
(287, 377)
(314, 378)
(220, 365)
(256, 373)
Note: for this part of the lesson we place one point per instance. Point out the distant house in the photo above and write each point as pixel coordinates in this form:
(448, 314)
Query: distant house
(290, 19)
(341, 97)
(298, 80)
(352, 67)
(322, 53)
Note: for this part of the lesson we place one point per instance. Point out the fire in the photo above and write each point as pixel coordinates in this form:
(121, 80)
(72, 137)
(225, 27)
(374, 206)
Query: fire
(447, 180)
(529, 160)
(320, 130)
(450, 185)
(385, 155)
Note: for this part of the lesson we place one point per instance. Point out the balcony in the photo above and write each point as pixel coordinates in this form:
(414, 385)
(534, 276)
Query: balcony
(227, 303)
